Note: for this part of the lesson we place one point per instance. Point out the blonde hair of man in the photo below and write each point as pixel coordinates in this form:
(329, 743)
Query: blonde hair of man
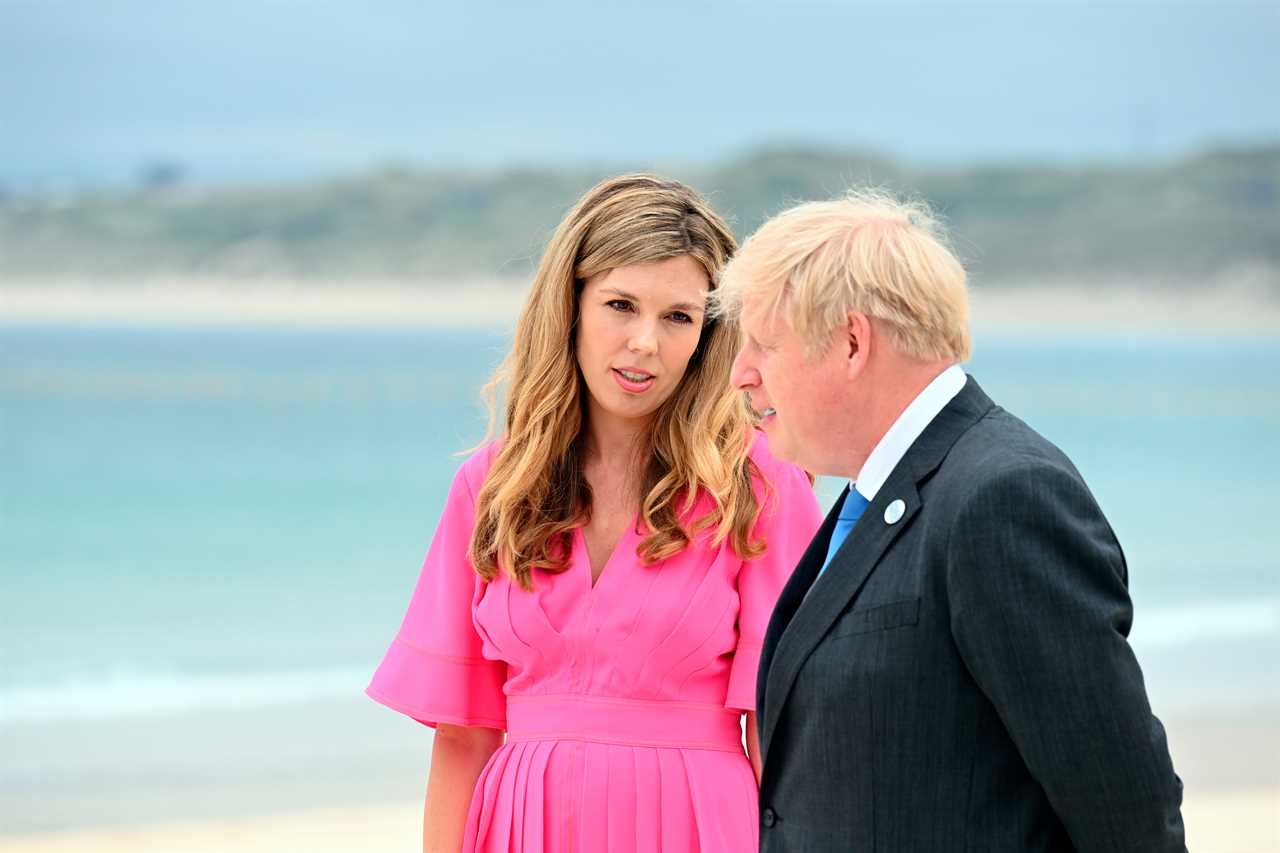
(868, 252)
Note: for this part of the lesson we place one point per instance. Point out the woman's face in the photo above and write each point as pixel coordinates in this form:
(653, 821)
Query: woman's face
(638, 325)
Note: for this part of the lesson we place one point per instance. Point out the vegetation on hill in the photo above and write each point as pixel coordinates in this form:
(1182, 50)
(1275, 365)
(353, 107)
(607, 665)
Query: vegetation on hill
(1198, 219)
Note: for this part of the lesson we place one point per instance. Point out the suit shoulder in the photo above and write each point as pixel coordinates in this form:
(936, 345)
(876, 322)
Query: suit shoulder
(1001, 455)
(1000, 445)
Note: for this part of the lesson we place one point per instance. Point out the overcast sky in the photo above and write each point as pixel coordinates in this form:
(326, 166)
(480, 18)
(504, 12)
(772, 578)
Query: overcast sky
(236, 90)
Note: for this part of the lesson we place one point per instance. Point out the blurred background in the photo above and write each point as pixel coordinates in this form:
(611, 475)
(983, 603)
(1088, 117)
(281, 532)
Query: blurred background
(256, 260)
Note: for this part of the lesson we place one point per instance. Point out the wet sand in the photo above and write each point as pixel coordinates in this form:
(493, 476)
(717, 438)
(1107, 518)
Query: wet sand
(1109, 308)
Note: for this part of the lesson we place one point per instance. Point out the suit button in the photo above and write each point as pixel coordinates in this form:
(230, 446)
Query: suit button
(769, 817)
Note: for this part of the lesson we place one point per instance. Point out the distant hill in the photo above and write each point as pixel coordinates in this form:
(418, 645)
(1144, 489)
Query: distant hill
(1203, 218)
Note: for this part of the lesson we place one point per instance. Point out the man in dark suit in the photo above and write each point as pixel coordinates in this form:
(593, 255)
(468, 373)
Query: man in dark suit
(948, 668)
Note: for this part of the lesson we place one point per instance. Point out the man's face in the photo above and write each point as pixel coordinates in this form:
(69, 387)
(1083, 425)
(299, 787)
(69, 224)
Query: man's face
(801, 398)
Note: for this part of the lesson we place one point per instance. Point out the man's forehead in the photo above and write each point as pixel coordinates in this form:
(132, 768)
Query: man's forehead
(760, 317)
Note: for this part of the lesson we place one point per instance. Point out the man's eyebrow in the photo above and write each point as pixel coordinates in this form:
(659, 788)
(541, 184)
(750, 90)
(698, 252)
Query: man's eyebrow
(679, 306)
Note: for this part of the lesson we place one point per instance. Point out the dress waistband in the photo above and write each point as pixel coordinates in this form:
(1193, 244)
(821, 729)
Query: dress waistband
(637, 722)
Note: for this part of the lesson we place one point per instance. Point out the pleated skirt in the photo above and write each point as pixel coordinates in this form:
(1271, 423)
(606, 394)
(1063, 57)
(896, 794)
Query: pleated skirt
(581, 796)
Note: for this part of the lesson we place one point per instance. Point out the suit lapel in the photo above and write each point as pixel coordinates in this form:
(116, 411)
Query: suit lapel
(799, 622)
(841, 582)
(793, 593)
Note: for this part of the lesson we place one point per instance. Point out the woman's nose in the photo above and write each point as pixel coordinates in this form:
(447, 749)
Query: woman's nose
(643, 339)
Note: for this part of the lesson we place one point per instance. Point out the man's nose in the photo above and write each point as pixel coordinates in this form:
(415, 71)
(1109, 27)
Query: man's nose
(743, 375)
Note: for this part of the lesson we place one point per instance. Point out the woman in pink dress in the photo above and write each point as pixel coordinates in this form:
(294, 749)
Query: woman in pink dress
(601, 579)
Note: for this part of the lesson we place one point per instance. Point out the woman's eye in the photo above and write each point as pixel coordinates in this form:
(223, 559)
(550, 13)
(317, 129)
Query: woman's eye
(619, 304)
(681, 317)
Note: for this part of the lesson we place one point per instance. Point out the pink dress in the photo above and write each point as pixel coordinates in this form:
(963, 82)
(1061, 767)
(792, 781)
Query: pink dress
(622, 702)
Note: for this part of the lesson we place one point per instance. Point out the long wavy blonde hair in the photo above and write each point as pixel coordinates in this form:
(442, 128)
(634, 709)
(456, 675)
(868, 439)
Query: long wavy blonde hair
(536, 493)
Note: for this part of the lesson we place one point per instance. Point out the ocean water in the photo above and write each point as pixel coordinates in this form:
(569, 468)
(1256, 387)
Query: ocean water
(196, 521)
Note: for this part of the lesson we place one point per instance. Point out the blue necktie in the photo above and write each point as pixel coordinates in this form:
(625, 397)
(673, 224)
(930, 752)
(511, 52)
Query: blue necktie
(850, 511)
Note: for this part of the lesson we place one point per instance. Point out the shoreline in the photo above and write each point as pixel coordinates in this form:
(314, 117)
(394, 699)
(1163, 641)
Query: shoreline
(1099, 309)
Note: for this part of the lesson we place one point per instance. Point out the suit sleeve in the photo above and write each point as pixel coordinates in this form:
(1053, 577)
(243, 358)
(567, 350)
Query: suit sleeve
(788, 520)
(1040, 612)
(435, 671)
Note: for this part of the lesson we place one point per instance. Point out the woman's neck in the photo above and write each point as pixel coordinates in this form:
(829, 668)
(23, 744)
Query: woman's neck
(614, 449)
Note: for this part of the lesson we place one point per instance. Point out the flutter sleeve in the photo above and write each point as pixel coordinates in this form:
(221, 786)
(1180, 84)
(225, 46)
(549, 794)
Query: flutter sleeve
(434, 670)
(789, 518)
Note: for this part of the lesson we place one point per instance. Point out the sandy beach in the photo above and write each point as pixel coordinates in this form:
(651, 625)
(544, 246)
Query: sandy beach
(1245, 821)
(361, 792)
(1237, 306)
(1236, 822)
(491, 303)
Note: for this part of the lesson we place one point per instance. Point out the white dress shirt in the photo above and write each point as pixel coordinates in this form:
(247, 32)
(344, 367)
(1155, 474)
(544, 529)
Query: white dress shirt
(906, 429)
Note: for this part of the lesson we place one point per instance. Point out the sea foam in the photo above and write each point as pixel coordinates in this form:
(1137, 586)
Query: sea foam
(128, 694)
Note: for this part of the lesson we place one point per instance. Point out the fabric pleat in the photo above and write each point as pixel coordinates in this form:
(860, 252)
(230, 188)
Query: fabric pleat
(623, 785)
(677, 804)
(648, 809)
(725, 819)
(520, 794)
(533, 831)
(489, 788)
(583, 797)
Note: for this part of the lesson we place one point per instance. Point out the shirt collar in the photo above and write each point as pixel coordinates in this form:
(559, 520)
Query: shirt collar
(906, 429)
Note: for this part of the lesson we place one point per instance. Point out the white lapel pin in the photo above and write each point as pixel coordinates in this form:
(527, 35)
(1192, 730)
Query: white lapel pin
(893, 512)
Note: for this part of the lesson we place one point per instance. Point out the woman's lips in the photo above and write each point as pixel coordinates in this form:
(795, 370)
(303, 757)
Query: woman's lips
(632, 383)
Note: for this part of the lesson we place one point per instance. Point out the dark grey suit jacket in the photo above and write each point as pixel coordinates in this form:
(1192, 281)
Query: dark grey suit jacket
(960, 680)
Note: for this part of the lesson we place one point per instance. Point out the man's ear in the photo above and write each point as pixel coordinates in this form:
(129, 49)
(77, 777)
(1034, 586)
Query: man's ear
(858, 343)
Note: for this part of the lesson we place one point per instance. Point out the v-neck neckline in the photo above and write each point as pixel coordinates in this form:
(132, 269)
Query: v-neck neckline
(594, 581)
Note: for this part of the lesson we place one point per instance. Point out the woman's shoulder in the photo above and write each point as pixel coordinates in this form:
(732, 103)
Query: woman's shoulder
(769, 466)
(772, 476)
(475, 468)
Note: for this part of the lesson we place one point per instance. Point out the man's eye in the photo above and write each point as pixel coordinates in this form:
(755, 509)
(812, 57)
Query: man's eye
(619, 304)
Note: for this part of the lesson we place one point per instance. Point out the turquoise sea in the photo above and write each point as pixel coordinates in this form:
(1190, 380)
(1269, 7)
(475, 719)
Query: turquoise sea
(197, 522)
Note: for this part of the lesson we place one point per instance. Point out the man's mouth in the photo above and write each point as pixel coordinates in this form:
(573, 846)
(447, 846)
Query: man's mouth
(761, 413)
